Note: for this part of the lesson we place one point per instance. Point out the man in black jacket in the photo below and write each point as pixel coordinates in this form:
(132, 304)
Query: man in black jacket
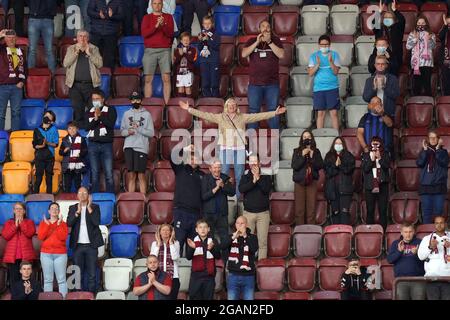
(85, 236)
(256, 189)
(100, 120)
(216, 187)
(27, 289)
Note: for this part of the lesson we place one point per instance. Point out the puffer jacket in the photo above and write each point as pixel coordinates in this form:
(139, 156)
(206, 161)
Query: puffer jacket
(19, 236)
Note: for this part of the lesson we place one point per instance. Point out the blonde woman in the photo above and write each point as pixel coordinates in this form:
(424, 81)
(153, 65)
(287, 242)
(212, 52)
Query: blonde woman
(232, 142)
(167, 249)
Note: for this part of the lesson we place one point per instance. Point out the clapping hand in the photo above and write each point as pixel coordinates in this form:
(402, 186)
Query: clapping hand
(401, 246)
(27, 286)
(338, 161)
(89, 205)
(151, 277)
(191, 243)
(102, 15)
(110, 12)
(210, 245)
(433, 243)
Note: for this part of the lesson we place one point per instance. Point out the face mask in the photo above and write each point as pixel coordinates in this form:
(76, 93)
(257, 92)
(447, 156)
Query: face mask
(97, 104)
(420, 28)
(136, 105)
(381, 50)
(324, 49)
(388, 22)
(338, 147)
(307, 142)
(46, 120)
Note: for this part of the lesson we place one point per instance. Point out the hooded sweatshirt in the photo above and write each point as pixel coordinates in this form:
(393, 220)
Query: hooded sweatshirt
(435, 264)
(406, 263)
(138, 141)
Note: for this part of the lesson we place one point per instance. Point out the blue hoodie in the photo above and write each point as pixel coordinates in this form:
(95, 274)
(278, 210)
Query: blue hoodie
(213, 44)
(439, 173)
(406, 264)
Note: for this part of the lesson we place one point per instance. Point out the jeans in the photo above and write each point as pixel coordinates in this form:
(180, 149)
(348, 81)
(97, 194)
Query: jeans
(184, 224)
(410, 291)
(71, 176)
(41, 167)
(85, 21)
(107, 45)
(438, 290)
(432, 205)
(36, 28)
(218, 223)
(85, 257)
(14, 95)
(101, 153)
(271, 95)
(236, 158)
(54, 264)
(237, 285)
(201, 288)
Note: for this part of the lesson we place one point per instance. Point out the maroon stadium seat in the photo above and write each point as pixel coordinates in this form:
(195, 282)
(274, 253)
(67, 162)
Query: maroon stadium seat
(424, 230)
(433, 11)
(407, 175)
(353, 146)
(301, 274)
(330, 273)
(392, 233)
(278, 241)
(411, 142)
(251, 18)
(239, 81)
(50, 296)
(163, 177)
(130, 208)
(321, 181)
(419, 111)
(38, 83)
(147, 237)
(338, 240)
(282, 208)
(267, 295)
(156, 108)
(321, 209)
(211, 109)
(177, 118)
(159, 207)
(80, 295)
(296, 296)
(270, 274)
(404, 207)
(167, 144)
(125, 80)
(326, 295)
(148, 177)
(36, 243)
(289, 48)
(285, 20)
(382, 295)
(65, 43)
(387, 275)
(118, 141)
(409, 11)
(61, 90)
(443, 111)
(240, 45)
(404, 75)
(365, 16)
(368, 241)
(363, 210)
(224, 82)
(307, 240)
(227, 49)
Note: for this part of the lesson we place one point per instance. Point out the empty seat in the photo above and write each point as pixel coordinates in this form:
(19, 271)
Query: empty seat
(392, 233)
(50, 296)
(326, 295)
(404, 207)
(227, 50)
(288, 59)
(106, 202)
(419, 111)
(307, 240)
(358, 76)
(278, 241)
(424, 230)
(163, 177)
(289, 141)
(270, 274)
(125, 80)
(130, 208)
(184, 273)
(110, 295)
(121, 105)
(363, 49)
(239, 81)
(147, 237)
(16, 177)
(80, 295)
(285, 20)
(61, 90)
(156, 108)
(407, 175)
(178, 118)
(321, 209)
(20, 145)
(105, 84)
(282, 208)
(355, 108)
(368, 241)
(227, 20)
(38, 83)
(63, 111)
(37, 206)
(166, 144)
(443, 114)
(387, 275)
(139, 266)
(432, 11)
(117, 274)
(344, 19)
(330, 273)
(212, 105)
(160, 207)
(301, 274)
(296, 296)
(301, 82)
(260, 2)
(31, 111)
(411, 142)
(305, 46)
(131, 51)
(124, 240)
(252, 15)
(65, 200)
(267, 295)
(299, 112)
(324, 137)
(283, 178)
(343, 45)
(352, 143)
(314, 19)
(7, 202)
(337, 240)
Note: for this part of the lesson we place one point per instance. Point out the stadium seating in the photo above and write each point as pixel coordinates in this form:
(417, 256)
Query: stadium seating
(288, 59)
(63, 111)
(283, 179)
(50, 296)
(301, 274)
(37, 206)
(285, 20)
(31, 112)
(282, 208)
(102, 250)
(301, 82)
(330, 273)
(159, 208)
(131, 51)
(404, 207)
(226, 19)
(106, 202)
(163, 177)
(56, 178)
(38, 83)
(20, 146)
(358, 76)
(65, 200)
(324, 137)
(299, 112)
(124, 240)
(368, 241)
(433, 11)
(344, 19)
(424, 230)
(270, 274)
(147, 237)
(121, 105)
(296, 296)
(407, 175)
(16, 177)
(105, 80)
(278, 241)
(110, 295)
(392, 233)
(382, 295)
(305, 46)
(125, 80)
(227, 50)
(261, 2)
(289, 141)
(184, 273)
(314, 19)
(443, 111)
(7, 202)
(411, 142)
(80, 295)
(419, 111)
(326, 295)
(252, 15)
(61, 90)
(130, 208)
(363, 49)
(409, 12)
(387, 275)
(178, 118)
(307, 241)
(266, 295)
(239, 81)
(355, 108)
(117, 274)
(337, 241)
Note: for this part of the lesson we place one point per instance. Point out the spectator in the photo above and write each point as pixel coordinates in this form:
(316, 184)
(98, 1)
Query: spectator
(133, 9)
(241, 262)
(375, 166)
(53, 234)
(324, 66)
(256, 189)
(167, 249)
(137, 128)
(264, 52)
(200, 7)
(45, 140)
(73, 14)
(169, 7)
(392, 28)
(202, 250)
(100, 123)
(187, 200)
(12, 78)
(209, 58)
(26, 288)
(40, 23)
(106, 16)
(422, 43)
(19, 13)
(232, 125)
(153, 284)
(216, 188)
(444, 55)
(375, 123)
(433, 162)
(82, 62)
(403, 255)
(382, 85)
(184, 58)
(306, 163)
(355, 282)
(74, 152)
(434, 250)
(157, 30)
(339, 166)
(382, 48)
(18, 233)
(85, 236)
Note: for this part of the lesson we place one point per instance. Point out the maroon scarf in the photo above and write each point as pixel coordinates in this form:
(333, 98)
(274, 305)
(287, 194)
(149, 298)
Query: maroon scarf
(431, 158)
(202, 260)
(168, 267)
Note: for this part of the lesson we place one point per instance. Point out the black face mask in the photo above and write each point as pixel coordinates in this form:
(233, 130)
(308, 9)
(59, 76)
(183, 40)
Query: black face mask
(136, 105)
(46, 120)
(307, 142)
(420, 28)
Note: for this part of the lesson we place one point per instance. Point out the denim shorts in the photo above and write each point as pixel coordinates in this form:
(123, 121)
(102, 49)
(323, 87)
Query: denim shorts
(326, 100)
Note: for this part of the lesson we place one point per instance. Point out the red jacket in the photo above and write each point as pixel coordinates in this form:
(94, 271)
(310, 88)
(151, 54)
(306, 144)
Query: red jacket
(161, 37)
(53, 237)
(20, 235)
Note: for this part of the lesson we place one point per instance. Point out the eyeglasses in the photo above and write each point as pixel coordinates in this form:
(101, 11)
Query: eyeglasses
(83, 192)
(19, 208)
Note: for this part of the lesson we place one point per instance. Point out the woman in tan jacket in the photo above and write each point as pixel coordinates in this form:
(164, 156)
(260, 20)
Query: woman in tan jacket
(232, 142)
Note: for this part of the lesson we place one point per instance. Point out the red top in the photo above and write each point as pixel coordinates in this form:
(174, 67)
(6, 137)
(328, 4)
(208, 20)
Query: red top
(53, 237)
(151, 291)
(19, 236)
(161, 37)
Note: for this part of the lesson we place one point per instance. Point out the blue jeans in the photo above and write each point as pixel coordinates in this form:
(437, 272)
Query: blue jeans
(54, 264)
(101, 154)
(432, 205)
(270, 94)
(13, 94)
(36, 28)
(85, 24)
(236, 158)
(85, 257)
(237, 285)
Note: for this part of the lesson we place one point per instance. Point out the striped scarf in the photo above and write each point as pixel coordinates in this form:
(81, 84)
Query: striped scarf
(103, 130)
(234, 254)
(198, 261)
(20, 72)
(168, 267)
(75, 161)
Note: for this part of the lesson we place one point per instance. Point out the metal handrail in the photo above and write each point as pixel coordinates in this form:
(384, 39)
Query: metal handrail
(414, 279)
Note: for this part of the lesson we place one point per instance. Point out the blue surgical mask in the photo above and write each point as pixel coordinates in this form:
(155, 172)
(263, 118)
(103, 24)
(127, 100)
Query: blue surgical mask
(324, 49)
(338, 147)
(97, 104)
(381, 50)
(388, 22)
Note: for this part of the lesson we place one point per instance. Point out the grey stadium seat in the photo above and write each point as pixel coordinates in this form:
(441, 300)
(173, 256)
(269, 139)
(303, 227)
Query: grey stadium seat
(363, 49)
(355, 108)
(324, 137)
(358, 77)
(299, 112)
(305, 46)
(283, 179)
(344, 19)
(289, 141)
(301, 82)
(314, 19)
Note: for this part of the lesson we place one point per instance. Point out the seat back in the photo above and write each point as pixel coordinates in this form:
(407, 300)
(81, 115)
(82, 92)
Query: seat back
(285, 20)
(404, 207)
(354, 110)
(387, 275)
(343, 45)
(101, 251)
(117, 274)
(358, 77)
(63, 111)
(289, 141)
(50, 296)
(314, 19)
(130, 208)
(124, 240)
(38, 83)
(368, 241)
(324, 137)
(80, 295)
(282, 208)
(227, 19)
(37, 206)
(147, 237)
(305, 47)
(125, 80)
(301, 274)
(392, 233)
(160, 207)
(131, 51)
(31, 111)
(363, 49)
(299, 112)
(283, 178)
(407, 175)
(106, 202)
(330, 273)
(278, 241)
(4, 141)
(251, 18)
(270, 274)
(307, 241)
(338, 241)
(344, 19)
(184, 273)
(110, 295)
(7, 202)
(20, 145)
(419, 111)
(301, 82)
(16, 177)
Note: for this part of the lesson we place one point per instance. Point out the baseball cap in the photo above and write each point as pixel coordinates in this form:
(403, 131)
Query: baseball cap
(135, 96)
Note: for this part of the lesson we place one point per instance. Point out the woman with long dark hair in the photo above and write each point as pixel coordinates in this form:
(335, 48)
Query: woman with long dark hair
(306, 163)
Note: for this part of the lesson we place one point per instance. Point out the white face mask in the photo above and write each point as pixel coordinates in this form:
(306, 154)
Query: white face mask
(338, 147)
(97, 104)
(324, 49)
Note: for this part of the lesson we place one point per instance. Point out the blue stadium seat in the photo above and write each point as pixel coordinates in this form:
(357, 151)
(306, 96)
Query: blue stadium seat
(261, 2)
(227, 20)
(31, 113)
(7, 204)
(106, 202)
(120, 112)
(63, 111)
(177, 16)
(4, 141)
(105, 81)
(157, 86)
(131, 51)
(37, 206)
(124, 240)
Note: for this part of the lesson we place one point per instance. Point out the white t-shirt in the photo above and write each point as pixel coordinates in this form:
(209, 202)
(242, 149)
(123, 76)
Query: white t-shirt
(83, 236)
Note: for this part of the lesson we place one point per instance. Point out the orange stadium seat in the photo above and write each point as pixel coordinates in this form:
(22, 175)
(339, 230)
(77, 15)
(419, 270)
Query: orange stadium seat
(159, 207)
(130, 208)
(16, 177)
